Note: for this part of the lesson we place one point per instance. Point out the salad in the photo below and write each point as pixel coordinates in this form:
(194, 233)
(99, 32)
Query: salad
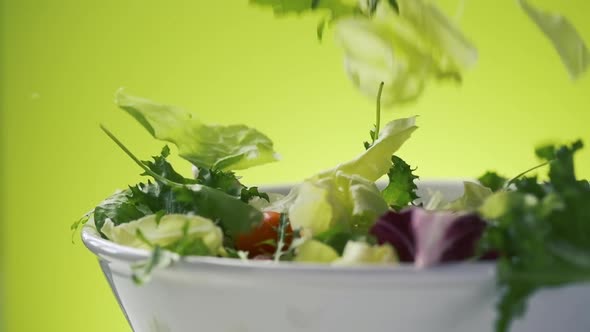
(536, 231)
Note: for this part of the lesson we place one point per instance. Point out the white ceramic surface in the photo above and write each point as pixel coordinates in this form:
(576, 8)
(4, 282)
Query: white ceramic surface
(211, 294)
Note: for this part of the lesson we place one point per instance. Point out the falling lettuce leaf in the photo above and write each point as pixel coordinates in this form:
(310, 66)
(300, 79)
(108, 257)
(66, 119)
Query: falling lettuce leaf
(565, 39)
(374, 54)
(451, 50)
(402, 49)
(208, 146)
(335, 8)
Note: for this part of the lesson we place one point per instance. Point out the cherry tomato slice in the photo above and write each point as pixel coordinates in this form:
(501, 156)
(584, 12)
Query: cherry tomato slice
(262, 239)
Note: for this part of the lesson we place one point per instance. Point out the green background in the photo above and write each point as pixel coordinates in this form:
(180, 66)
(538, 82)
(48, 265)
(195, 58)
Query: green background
(61, 62)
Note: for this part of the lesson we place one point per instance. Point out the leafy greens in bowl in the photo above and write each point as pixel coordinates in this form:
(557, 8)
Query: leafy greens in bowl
(340, 220)
(340, 216)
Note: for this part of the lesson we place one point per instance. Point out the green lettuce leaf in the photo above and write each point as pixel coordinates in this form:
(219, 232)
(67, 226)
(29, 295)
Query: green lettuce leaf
(314, 251)
(374, 53)
(402, 49)
(448, 46)
(347, 201)
(376, 161)
(474, 195)
(346, 195)
(564, 37)
(148, 232)
(208, 146)
(357, 253)
(336, 8)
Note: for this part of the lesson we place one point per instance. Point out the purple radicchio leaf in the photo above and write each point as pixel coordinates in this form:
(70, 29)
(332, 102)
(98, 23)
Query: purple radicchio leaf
(428, 238)
(395, 228)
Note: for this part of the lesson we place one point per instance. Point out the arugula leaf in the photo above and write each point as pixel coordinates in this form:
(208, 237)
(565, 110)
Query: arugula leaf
(207, 146)
(248, 193)
(562, 34)
(119, 208)
(492, 180)
(401, 189)
(233, 215)
(162, 167)
(542, 232)
(229, 183)
(224, 181)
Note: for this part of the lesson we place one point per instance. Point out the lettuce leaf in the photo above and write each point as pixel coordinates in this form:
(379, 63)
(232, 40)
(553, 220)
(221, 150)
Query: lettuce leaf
(346, 195)
(357, 252)
(474, 195)
(148, 232)
(564, 37)
(376, 161)
(314, 251)
(336, 8)
(208, 146)
(347, 201)
(451, 50)
(374, 53)
(402, 49)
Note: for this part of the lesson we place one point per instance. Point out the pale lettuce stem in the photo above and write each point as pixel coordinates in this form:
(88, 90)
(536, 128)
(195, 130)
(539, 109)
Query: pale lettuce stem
(378, 120)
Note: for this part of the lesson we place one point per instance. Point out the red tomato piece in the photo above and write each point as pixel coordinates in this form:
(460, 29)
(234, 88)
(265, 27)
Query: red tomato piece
(263, 238)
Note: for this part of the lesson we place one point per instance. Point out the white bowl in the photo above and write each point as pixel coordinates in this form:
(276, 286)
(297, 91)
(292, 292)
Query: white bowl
(212, 294)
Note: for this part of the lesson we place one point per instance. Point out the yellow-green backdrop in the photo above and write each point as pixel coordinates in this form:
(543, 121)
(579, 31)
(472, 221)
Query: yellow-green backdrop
(61, 62)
